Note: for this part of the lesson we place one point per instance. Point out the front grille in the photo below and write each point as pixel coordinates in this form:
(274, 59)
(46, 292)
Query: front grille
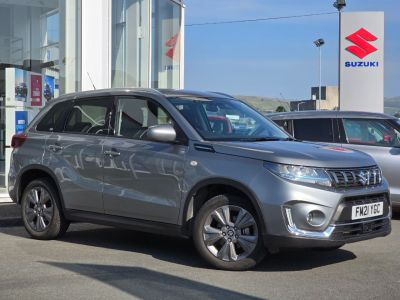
(347, 203)
(360, 177)
(349, 231)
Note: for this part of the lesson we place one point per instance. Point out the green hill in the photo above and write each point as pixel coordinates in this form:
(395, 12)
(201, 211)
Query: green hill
(268, 104)
(265, 104)
(392, 105)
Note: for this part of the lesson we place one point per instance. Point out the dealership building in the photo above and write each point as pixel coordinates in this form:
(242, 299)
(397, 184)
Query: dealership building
(52, 47)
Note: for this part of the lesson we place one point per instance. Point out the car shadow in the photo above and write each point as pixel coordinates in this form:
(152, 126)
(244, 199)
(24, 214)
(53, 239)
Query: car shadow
(396, 213)
(183, 252)
(303, 259)
(148, 284)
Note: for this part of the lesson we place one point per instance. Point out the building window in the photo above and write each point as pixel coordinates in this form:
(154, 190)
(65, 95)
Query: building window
(166, 44)
(130, 43)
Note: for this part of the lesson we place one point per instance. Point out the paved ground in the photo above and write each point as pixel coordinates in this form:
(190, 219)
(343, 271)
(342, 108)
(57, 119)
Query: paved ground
(95, 262)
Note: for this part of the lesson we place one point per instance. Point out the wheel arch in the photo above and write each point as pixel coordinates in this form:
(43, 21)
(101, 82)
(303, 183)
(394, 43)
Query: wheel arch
(32, 172)
(190, 209)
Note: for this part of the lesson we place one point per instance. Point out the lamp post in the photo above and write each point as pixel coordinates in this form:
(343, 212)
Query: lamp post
(319, 43)
(339, 5)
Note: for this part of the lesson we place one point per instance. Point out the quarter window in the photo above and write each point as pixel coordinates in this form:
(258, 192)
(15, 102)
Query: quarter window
(318, 130)
(285, 124)
(371, 132)
(135, 116)
(90, 117)
(54, 119)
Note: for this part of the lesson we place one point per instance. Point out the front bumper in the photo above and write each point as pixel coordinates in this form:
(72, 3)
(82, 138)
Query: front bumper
(337, 228)
(334, 235)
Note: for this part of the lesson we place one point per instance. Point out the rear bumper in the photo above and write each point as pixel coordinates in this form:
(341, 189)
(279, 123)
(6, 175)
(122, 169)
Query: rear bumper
(335, 235)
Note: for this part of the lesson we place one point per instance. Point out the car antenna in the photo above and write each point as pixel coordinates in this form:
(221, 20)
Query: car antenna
(91, 80)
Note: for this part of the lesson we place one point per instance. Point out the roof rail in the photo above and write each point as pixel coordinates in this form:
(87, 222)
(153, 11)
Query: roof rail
(222, 94)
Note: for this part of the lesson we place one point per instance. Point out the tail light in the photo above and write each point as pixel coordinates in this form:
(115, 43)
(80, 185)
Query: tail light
(18, 139)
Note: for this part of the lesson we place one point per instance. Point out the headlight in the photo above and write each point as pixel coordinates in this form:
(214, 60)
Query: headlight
(300, 174)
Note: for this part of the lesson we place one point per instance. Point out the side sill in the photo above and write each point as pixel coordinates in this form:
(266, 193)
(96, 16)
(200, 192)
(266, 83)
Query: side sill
(126, 223)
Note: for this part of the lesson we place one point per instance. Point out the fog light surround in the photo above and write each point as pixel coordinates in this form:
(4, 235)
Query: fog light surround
(316, 218)
(292, 228)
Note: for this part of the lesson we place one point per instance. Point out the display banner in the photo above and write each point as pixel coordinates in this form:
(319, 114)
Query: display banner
(21, 121)
(48, 88)
(361, 61)
(36, 90)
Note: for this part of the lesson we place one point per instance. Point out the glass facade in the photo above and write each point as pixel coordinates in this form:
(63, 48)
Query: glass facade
(144, 45)
(166, 45)
(43, 54)
(130, 43)
(41, 38)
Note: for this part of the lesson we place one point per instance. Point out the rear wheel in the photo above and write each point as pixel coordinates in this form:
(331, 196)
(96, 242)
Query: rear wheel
(41, 211)
(227, 233)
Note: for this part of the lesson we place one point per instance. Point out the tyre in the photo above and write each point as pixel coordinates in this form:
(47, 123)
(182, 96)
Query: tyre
(41, 211)
(227, 234)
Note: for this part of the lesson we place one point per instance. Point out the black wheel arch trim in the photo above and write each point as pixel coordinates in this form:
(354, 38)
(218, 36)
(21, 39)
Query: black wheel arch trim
(44, 169)
(229, 182)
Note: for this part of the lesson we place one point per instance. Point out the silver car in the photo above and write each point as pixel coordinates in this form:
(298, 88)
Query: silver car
(198, 165)
(373, 133)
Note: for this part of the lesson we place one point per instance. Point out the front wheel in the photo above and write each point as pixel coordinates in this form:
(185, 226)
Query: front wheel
(41, 211)
(227, 233)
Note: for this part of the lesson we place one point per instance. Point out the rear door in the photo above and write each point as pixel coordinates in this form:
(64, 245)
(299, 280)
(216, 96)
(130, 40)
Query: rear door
(77, 153)
(143, 179)
(320, 130)
(380, 139)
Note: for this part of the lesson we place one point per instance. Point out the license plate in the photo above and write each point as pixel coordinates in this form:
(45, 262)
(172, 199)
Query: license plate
(367, 210)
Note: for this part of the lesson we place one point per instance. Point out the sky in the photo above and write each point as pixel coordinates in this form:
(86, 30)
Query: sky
(275, 58)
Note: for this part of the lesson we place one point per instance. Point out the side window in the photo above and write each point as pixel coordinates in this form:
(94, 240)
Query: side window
(91, 116)
(135, 116)
(285, 124)
(54, 119)
(318, 130)
(371, 132)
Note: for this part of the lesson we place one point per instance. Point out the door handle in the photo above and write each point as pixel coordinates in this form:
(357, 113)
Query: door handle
(111, 153)
(55, 148)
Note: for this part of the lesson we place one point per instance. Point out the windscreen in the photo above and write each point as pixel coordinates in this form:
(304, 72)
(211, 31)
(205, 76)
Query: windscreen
(226, 119)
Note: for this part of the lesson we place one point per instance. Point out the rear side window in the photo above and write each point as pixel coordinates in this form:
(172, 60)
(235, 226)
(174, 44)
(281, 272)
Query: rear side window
(317, 130)
(90, 116)
(54, 120)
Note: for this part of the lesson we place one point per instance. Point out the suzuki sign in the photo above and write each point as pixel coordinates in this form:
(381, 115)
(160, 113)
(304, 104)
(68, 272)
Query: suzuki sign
(361, 61)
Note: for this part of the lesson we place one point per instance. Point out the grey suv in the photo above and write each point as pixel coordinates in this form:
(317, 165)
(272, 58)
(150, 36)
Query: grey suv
(191, 164)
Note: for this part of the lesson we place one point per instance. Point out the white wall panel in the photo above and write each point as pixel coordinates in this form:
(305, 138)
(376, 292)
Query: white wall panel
(96, 44)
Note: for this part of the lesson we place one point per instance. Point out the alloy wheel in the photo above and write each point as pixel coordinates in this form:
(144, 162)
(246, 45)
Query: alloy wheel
(230, 233)
(39, 209)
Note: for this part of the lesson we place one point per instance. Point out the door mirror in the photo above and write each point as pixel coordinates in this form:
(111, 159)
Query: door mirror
(161, 133)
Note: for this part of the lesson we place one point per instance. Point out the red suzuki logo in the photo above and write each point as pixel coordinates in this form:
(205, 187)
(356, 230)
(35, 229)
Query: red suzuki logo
(360, 39)
(174, 47)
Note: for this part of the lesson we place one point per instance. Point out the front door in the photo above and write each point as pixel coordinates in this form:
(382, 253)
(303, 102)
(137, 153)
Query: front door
(142, 178)
(77, 154)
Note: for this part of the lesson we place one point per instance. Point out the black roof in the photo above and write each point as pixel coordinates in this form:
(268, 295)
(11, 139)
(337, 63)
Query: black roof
(191, 93)
(165, 92)
(327, 114)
